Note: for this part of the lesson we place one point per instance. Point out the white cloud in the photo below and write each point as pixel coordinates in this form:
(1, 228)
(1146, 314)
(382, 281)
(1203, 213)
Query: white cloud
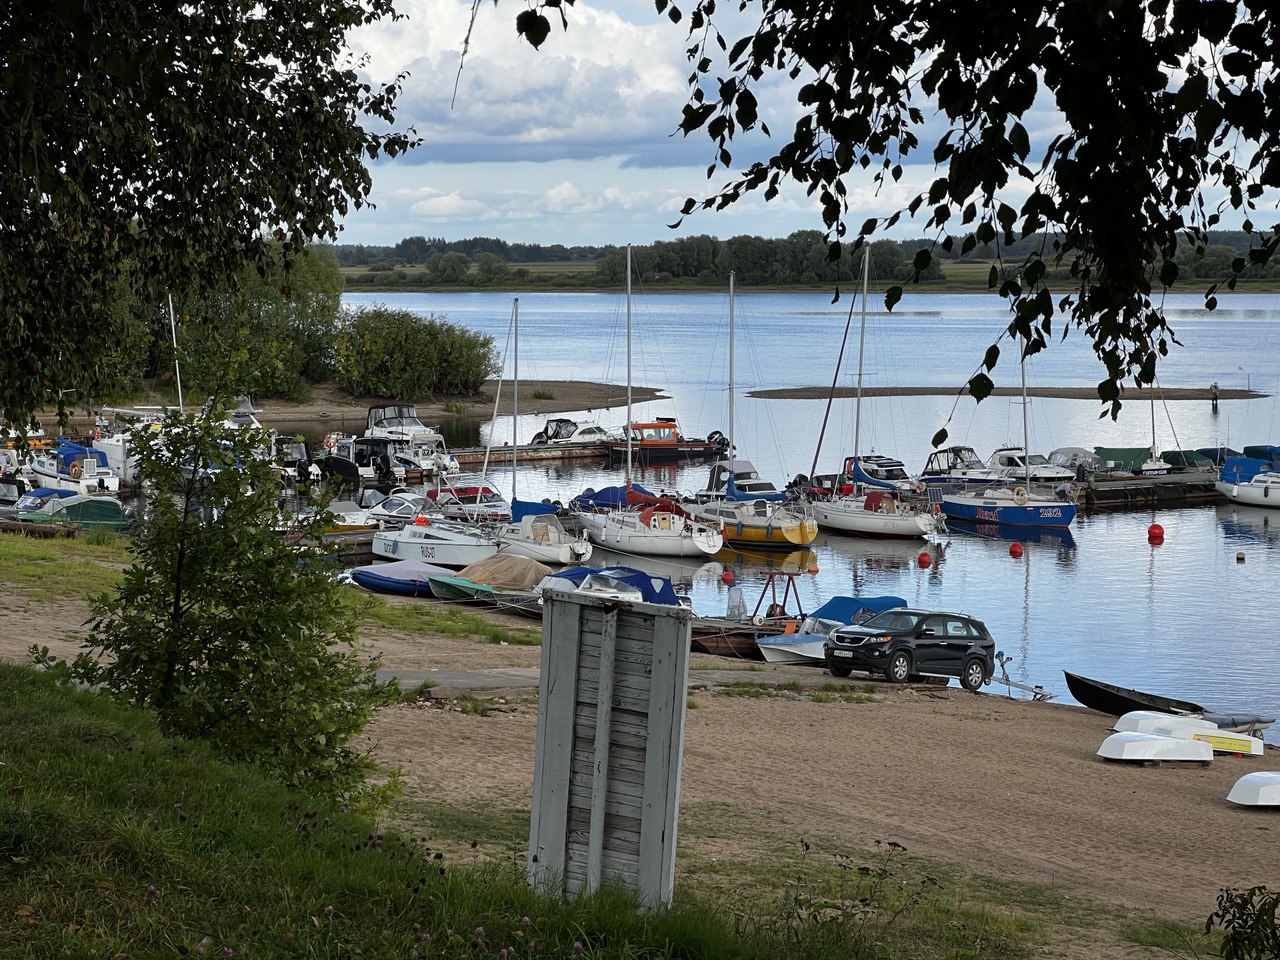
(450, 206)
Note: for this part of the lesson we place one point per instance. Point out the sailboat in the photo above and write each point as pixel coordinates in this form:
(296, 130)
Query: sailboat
(1154, 466)
(535, 531)
(753, 512)
(877, 511)
(1022, 505)
(661, 528)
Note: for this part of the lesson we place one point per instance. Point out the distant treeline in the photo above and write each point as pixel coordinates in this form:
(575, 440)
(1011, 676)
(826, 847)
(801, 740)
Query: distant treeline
(798, 259)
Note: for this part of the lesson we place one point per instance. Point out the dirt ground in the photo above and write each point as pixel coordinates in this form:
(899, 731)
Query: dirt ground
(1005, 788)
(331, 405)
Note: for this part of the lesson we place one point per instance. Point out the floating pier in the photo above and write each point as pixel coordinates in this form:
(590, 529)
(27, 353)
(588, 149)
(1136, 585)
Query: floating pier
(1170, 490)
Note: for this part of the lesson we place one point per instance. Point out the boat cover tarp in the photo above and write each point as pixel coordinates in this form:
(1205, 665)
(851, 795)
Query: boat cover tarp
(506, 572)
(861, 476)
(1218, 454)
(613, 498)
(852, 609)
(402, 577)
(1243, 469)
(733, 493)
(44, 493)
(68, 451)
(1186, 458)
(652, 589)
(530, 508)
(1263, 451)
(1126, 458)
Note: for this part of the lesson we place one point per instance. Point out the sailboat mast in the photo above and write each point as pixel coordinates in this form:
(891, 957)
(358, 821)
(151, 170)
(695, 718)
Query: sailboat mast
(862, 343)
(1026, 440)
(731, 383)
(515, 396)
(1151, 391)
(629, 430)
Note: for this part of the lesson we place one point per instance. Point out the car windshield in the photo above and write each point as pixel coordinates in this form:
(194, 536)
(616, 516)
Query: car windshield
(892, 620)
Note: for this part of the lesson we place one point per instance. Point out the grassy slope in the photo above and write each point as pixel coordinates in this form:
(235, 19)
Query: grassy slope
(115, 841)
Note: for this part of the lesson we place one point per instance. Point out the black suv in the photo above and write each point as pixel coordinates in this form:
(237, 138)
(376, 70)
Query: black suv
(908, 644)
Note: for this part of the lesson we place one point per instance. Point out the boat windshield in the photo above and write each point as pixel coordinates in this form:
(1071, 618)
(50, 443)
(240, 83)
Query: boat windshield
(29, 501)
(892, 620)
(654, 434)
(400, 422)
(1036, 460)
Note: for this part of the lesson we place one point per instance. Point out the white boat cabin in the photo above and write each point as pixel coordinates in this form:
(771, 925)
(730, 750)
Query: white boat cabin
(399, 421)
(1014, 463)
(562, 430)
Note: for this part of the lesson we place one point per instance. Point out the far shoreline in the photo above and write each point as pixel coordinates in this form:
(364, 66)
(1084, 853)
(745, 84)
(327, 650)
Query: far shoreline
(1053, 393)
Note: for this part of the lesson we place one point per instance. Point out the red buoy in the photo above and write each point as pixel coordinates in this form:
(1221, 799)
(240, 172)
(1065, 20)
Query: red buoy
(1155, 532)
(726, 577)
(924, 559)
(813, 568)
(1015, 550)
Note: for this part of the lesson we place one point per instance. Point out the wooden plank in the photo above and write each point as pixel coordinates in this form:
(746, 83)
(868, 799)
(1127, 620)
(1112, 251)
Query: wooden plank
(548, 821)
(600, 760)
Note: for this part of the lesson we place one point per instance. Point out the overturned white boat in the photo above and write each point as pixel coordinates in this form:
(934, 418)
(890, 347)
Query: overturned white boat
(1133, 747)
(1261, 789)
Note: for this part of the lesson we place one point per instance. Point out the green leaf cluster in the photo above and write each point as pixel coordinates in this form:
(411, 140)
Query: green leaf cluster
(395, 353)
(150, 147)
(1169, 120)
(229, 623)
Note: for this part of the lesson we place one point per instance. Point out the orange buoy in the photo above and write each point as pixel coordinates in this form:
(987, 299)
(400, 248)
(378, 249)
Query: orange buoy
(813, 568)
(1015, 550)
(925, 560)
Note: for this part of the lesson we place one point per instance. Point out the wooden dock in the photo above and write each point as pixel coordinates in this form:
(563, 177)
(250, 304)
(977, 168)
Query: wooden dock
(529, 453)
(1172, 490)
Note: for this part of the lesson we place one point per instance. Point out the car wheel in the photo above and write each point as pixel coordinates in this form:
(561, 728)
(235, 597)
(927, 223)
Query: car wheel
(840, 671)
(899, 668)
(974, 675)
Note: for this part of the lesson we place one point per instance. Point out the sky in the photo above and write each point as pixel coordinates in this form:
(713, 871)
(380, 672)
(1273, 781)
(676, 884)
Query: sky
(575, 143)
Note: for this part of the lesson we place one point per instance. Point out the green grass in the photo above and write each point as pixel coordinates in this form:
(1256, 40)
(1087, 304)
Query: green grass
(59, 569)
(427, 617)
(1178, 939)
(455, 406)
(542, 395)
(115, 841)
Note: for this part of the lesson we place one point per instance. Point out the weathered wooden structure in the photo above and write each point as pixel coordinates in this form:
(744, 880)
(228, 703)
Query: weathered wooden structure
(606, 781)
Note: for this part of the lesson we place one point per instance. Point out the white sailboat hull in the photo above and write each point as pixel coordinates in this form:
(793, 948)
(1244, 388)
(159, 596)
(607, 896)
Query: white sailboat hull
(850, 515)
(627, 533)
(555, 554)
(1262, 491)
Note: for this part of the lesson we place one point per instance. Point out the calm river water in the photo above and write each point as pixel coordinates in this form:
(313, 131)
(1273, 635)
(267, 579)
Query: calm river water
(1185, 617)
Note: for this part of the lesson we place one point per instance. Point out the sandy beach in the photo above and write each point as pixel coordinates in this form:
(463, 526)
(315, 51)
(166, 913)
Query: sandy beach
(999, 787)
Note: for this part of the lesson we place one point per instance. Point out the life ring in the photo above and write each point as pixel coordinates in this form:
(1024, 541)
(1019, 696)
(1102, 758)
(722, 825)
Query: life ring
(1020, 496)
(330, 442)
(75, 470)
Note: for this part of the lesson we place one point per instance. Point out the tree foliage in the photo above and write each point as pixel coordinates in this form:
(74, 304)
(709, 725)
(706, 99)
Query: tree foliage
(227, 631)
(1167, 105)
(156, 147)
(394, 353)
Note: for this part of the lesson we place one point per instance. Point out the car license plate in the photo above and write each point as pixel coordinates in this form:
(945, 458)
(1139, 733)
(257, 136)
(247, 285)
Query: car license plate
(843, 653)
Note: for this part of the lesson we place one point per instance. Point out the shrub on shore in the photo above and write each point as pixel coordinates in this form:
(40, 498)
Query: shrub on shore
(394, 353)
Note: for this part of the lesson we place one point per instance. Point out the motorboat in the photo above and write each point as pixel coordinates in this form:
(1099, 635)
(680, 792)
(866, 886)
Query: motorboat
(957, 466)
(1015, 463)
(804, 644)
(72, 466)
(12, 488)
(79, 512)
(1250, 480)
(614, 583)
(400, 422)
(661, 441)
(398, 509)
(447, 544)
(375, 459)
(476, 502)
(560, 431)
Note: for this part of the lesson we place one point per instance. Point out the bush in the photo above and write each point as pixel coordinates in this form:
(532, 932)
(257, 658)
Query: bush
(228, 633)
(1249, 924)
(394, 353)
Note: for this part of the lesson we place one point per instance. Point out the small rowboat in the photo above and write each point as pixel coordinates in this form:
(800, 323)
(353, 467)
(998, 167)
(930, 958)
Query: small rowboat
(1117, 701)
